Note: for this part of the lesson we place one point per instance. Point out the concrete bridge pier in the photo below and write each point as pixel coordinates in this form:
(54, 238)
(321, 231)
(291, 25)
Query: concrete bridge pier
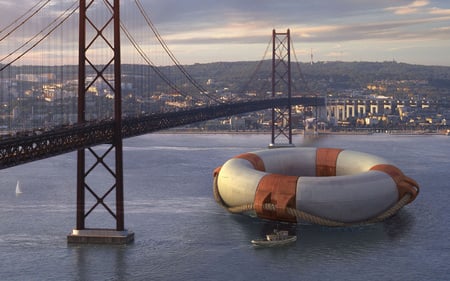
(100, 236)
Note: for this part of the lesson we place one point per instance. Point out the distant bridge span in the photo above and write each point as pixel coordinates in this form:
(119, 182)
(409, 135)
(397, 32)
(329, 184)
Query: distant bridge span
(23, 149)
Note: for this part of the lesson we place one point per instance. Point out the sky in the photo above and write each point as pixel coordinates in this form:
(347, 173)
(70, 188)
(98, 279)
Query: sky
(200, 31)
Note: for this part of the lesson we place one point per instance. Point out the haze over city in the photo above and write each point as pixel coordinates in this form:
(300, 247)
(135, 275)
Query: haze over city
(200, 31)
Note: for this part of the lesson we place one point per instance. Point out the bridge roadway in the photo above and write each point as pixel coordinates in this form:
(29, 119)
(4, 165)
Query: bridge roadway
(23, 149)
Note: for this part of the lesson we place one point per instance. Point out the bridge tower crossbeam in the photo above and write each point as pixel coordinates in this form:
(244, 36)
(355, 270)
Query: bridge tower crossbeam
(100, 33)
(281, 87)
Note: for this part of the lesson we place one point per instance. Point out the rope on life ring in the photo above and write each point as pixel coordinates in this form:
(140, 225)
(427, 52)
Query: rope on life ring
(307, 217)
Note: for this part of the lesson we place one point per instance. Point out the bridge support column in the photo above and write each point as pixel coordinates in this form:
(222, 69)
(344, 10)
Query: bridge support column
(109, 180)
(281, 87)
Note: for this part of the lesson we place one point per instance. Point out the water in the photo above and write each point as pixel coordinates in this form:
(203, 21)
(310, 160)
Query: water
(182, 234)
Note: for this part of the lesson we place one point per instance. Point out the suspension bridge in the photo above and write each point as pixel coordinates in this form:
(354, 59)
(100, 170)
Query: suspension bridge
(100, 75)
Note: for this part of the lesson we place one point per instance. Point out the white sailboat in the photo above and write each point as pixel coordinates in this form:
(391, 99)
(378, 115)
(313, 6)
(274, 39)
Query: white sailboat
(18, 189)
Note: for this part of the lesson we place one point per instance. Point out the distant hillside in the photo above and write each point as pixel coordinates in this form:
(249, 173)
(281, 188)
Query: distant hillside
(255, 76)
(323, 75)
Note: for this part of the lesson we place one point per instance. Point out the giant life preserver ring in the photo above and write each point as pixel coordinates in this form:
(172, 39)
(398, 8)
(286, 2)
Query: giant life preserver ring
(337, 185)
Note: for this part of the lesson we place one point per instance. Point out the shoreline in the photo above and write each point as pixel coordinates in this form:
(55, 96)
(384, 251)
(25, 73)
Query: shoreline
(308, 133)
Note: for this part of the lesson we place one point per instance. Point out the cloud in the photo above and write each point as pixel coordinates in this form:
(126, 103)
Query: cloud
(219, 22)
(420, 3)
(336, 55)
(410, 29)
(413, 8)
(178, 16)
(438, 11)
(201, 24)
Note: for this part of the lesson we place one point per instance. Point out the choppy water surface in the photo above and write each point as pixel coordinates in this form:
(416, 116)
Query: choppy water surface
(182, 234)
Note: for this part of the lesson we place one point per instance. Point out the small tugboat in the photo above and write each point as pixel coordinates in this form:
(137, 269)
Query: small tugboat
(277, 238)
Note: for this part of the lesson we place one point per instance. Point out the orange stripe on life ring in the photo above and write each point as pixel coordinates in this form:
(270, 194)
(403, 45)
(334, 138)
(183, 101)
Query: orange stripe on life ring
(256, 161)
(217, 171)
(404, 183)
(326, 161)
(279, 190)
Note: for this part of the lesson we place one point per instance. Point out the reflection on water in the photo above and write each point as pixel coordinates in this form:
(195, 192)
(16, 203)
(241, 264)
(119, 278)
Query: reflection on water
(87, 265)
(397, 226)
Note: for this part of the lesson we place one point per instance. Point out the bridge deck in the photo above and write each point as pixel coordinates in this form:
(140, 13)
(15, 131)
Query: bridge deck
(23, 149)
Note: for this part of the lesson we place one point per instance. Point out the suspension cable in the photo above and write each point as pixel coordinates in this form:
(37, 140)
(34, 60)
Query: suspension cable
(25, 20)
(145, 57)
(74, 8)
(302, 77)
(149, 62)
(39, 33)
(257, 69)
(171, 55)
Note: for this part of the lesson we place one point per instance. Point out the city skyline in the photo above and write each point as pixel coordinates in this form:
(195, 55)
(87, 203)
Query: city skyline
(201, 31)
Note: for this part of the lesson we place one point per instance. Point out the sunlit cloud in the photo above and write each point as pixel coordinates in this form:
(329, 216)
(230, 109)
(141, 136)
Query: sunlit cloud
(420, 3)
(232, 32)
(447, 28)
(312, 32)
(440, 12)
(336, 55)
(412, 8)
